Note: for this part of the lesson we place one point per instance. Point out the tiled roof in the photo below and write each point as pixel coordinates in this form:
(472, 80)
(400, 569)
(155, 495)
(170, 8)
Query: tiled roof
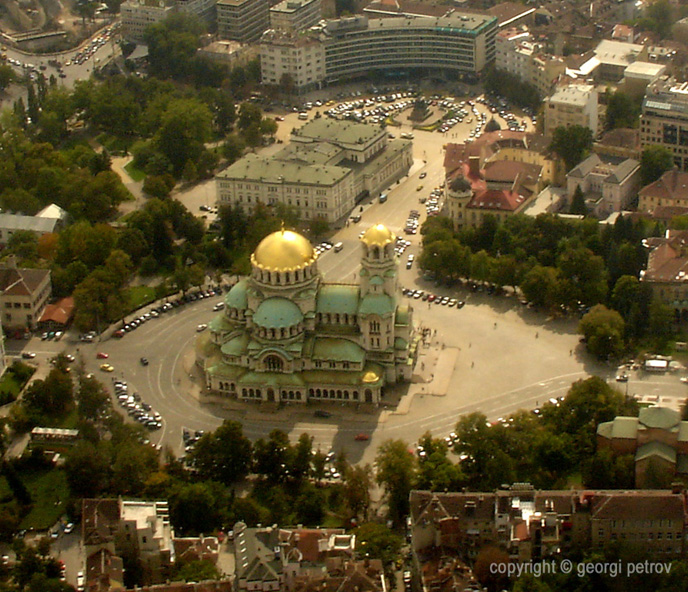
(659, 417)
(507, 171)
(60, 312)
(99, 519)
(634, 504)
(21, 282)
(671, 185)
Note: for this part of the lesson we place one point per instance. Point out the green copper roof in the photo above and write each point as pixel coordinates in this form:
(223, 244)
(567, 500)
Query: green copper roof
(656, 449)
(402, 316)
(338, 350)
(659, 417)
(236, 346)
(625, 427)
(605, 429)
(237, 296)
(380, 304)
(400, 343)
(272, 379)
(221, 324)
(339, 298)
(275, 313)
(376, 280)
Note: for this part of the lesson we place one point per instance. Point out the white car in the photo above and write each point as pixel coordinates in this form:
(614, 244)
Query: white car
(201, 327)
(80, 582)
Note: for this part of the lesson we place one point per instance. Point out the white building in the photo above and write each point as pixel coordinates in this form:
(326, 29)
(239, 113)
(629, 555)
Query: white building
(297, 59)
(137, 16)
(575, 104)
(242, 20)
(292, 16)
(203, 9)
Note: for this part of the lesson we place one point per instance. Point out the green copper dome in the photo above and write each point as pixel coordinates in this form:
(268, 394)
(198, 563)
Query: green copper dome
(276, 313)
(237, 296)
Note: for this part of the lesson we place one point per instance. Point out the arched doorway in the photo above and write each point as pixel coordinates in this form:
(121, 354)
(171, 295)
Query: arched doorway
(271, 394)
(273, 363)
(369, 396)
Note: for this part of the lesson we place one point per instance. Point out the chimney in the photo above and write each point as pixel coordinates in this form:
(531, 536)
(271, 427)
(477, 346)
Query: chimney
(474, 165)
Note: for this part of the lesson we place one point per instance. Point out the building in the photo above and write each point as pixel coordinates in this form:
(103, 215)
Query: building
(242, 20)
(204, 10)
(138, 16)
(50, 219)
(296, 61)
(328, 166)
(57, 316)
(614, 57)
(619, 143)
(657, 438)
(664, 118)
(607, 187)
(24, 294)
(670, 190)
(451, 46)
(285, 335)
(302, 559)
(292, 16)
(531, 525)
(575, 104)
(114, 527)
(499, 175)
(667, 271)
(638, 75)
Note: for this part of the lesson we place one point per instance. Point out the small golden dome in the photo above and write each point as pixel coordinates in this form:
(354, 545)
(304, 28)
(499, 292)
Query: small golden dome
(378, 235)
(283, 250)
(370, 377)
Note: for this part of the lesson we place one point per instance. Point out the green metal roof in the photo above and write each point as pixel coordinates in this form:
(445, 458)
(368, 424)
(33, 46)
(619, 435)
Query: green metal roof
(237, 296)
(341, 298)
(273, 379)
(605, 429)
(236, 346)
(658, 449)
(275, 313)
(625, 427)
(342, 133)
(400, 343)
(221, 324)
(337, 350)
(376, 280)
(659, 417)
(380, 304)
(402, 316)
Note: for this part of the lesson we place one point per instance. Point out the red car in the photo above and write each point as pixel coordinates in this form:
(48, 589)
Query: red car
(361, 437)
(118, 334)
(102, 356)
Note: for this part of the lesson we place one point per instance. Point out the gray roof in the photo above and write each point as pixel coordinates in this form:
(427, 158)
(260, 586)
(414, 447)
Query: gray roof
(583, 169)
(268, 170)
(342, 133)
(659, 417)
(622, 171)
(658, 449)
(32, 223)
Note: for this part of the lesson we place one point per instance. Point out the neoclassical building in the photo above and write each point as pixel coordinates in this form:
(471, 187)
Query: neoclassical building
(285, 335)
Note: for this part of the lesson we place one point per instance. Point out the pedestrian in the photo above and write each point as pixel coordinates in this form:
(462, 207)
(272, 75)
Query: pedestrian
(537, 334)
(495, 325)
(472, 364)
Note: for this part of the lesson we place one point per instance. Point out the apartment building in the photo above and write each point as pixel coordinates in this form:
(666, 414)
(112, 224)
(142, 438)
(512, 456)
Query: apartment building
(298, 59)
(614, 57)
(664, 118)
(138, 16)
(242, 20)
(575, 104)
(327, 166)
(204, 10)
(531, 524)
(292, 16)
(670, 190)
(24, 294)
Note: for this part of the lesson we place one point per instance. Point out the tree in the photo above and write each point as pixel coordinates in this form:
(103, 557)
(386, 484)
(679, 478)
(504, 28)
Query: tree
(539, 286)
(376, 541)
(578, 206)
(224, 455)
(92, 398)
(654, 162)
(198, 571)
(87, 470)
(661, 319)
(358, 482)
(487, 571)
(572, 144)
(6, 76)
(395, 471)
(195, 508)
(622, 111)
(603, 330)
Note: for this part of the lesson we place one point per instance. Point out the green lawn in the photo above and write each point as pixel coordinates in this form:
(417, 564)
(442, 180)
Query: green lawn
(49, 493)
(140, 295)
(11, 383)
(134, 173)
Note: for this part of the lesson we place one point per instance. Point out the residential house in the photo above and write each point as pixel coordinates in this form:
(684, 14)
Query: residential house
(24, 294)
(671, 189)
(57, 316)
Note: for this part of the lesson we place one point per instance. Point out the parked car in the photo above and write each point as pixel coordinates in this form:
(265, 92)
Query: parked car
(361, 437)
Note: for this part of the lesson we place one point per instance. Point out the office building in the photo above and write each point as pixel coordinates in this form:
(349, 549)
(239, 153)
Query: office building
(242, 20)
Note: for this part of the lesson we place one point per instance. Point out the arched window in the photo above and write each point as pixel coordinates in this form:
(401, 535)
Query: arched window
(274, 363)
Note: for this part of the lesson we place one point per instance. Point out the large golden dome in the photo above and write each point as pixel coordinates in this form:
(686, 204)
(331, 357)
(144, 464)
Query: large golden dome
(378, 235)
(283, 250)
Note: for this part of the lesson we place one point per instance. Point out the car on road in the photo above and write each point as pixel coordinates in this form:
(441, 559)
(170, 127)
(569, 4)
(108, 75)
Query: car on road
(106, 367)
(422, 175)
(69, 527)
(623, 377)
(361, 437)
(201, 327)
(144, 361)
(28, 355)
(460, 304)
(219, 306)
(102, 356)
(80, 582)
(419, 188)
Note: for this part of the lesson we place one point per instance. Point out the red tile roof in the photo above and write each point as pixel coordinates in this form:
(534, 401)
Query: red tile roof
(21, 282)
(61, 312)
(671, 185)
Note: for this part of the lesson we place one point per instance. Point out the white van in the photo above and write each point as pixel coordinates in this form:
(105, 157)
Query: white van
(383, 198)
(338, 247)
(303, 116)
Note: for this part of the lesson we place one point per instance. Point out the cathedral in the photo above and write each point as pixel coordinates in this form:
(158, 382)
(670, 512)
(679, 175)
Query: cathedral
(286, 335)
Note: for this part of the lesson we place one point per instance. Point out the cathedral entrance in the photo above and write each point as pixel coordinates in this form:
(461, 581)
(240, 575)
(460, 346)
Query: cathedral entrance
(369, 396)
(271, 394)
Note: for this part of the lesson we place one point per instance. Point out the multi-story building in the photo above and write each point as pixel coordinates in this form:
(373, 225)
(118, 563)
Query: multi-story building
(607, 187)
(451, 46)
(667, 271)
(326, 168)
(614, 57)
(657, 438)
(575, 104)
(664, 118)
(292, 16)
(670, 190)
(531, 525)
(242, 20)
(138, 16)
(285, 335)
(115, 527)
(24, 294)
(295, 60)
(204, 10)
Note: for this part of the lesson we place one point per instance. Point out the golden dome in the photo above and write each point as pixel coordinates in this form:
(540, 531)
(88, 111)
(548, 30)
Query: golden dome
(370, 377)
(283, 250)
(378, 235)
